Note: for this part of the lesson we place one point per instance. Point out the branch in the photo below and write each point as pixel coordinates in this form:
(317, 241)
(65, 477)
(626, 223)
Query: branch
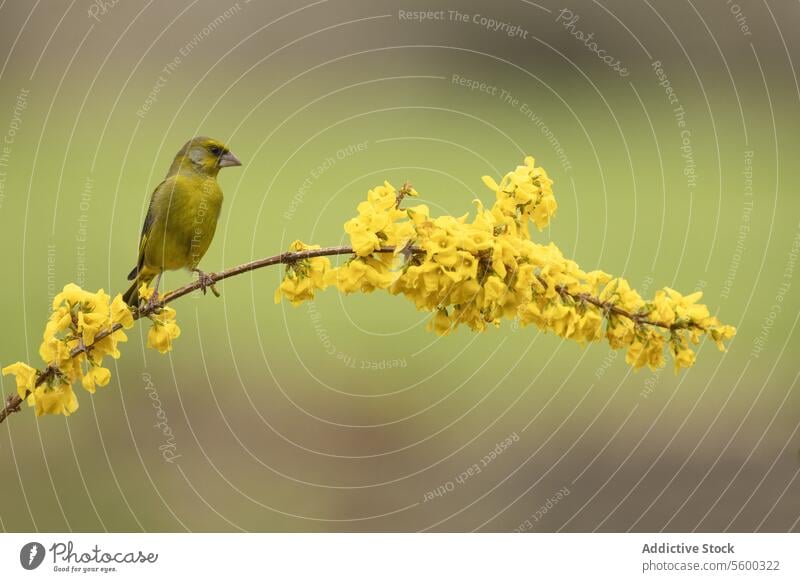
(14, 401)
(609, 307)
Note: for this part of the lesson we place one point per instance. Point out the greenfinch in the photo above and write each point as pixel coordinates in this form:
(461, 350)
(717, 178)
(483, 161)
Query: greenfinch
(182, 215)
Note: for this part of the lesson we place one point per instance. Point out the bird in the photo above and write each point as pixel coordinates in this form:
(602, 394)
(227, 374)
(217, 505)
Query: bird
(182, 216)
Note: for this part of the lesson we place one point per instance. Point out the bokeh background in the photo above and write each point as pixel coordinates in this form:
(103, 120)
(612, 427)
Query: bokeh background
(345, 414)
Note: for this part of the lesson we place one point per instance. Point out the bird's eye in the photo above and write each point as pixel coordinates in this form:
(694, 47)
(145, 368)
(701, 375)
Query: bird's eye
(216, 150)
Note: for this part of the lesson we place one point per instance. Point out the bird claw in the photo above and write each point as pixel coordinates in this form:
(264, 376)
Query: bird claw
(206, 282)
(155, 299)
(152, 303)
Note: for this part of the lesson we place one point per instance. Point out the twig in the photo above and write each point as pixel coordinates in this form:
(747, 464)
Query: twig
(609, 307)
(13, 402)
(404, 191)
(12, 405)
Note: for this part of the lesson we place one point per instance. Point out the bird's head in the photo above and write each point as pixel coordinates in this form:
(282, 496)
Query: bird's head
(204, 155)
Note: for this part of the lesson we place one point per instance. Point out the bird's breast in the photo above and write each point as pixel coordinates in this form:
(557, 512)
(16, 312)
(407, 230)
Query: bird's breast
(193, 209)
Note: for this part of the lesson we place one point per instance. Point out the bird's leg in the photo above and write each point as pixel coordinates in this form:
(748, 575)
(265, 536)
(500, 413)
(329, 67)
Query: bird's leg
(206, 282)
(151, 303)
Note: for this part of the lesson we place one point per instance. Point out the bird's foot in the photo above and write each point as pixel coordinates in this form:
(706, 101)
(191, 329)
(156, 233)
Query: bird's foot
(206, 282)
(152, 303)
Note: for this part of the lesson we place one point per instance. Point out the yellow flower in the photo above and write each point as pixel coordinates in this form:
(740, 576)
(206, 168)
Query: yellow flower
(71, 295)
(590, 326)
(648, 351)
(440, 323)
(160, 336)
(60, 320)
(303, 277)
(96, 376)
(495, 291)
(121, 313)
(108, 346)
(684, 358)
(490, 183)
(362, 240)
(620, 332)
(721, 334)
(145, 292)
(360, 275)
(89, 326)
(163, 330)
(295, 289)
(543, 211)
(24, 375)
(58, 400)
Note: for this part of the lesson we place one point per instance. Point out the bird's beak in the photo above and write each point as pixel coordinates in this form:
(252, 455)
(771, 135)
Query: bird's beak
(228, 159)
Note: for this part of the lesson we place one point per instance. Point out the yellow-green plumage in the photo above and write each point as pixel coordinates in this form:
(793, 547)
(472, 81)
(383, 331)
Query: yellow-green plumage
(183, 213)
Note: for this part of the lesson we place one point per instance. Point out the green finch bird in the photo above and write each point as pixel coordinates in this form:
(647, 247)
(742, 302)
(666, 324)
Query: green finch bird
(182, 216)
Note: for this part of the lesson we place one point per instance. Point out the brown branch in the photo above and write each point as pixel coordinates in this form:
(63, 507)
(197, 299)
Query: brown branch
(13, 402)
(12, 405)
(609, 307)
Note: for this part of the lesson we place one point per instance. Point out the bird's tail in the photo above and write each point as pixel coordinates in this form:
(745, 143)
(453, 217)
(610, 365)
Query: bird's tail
(131, 296)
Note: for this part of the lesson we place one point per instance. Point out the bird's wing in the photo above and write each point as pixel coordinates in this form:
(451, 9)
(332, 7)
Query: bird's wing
(148, 224)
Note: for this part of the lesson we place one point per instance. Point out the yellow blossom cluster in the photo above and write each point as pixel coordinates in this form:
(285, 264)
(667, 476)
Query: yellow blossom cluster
(83, 329)
(466, 271)
(164, 328)
(302, 277)
(479, 271)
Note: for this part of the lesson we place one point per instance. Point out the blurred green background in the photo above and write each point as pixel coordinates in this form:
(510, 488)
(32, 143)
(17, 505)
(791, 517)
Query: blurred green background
(345, 414)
